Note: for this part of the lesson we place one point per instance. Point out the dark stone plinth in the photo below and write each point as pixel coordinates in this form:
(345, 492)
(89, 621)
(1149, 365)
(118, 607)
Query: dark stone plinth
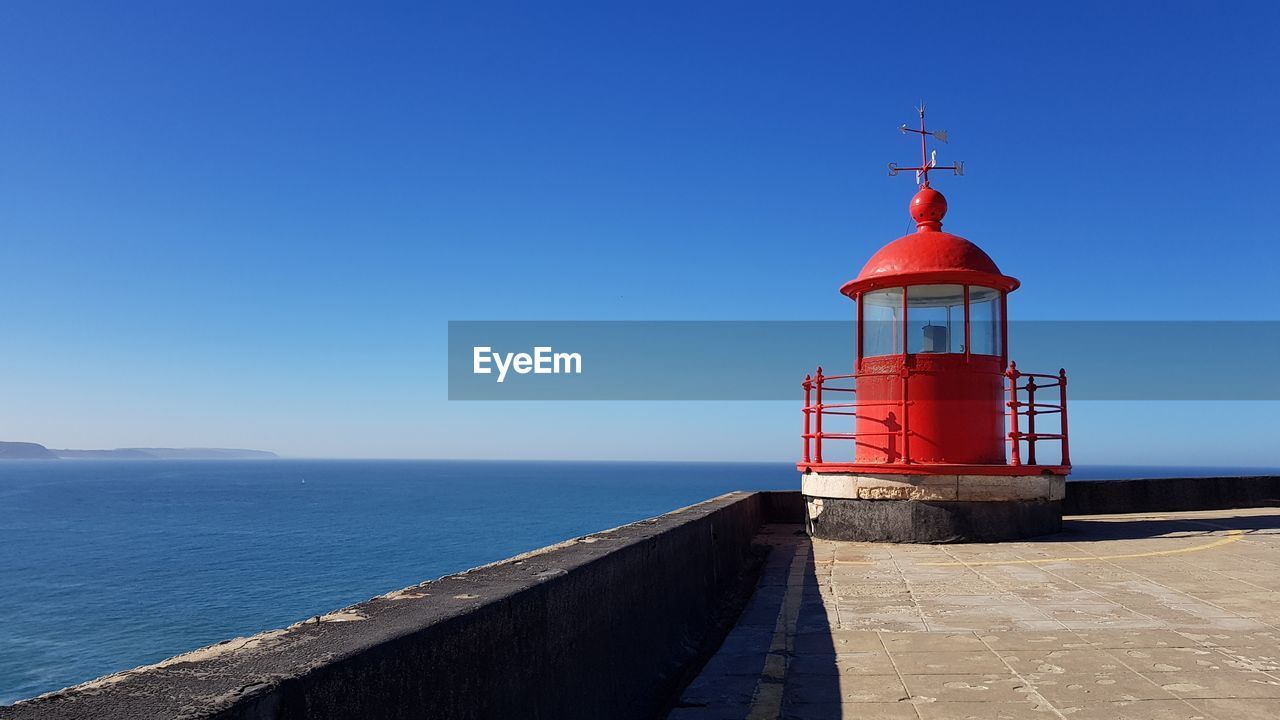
(917, 521)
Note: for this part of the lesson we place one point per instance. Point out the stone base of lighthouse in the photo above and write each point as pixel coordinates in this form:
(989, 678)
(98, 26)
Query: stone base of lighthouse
(931, 508)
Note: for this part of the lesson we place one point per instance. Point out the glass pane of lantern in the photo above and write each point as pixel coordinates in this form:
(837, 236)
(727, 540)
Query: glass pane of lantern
(984, 320)
(935, 319)
(882, 322)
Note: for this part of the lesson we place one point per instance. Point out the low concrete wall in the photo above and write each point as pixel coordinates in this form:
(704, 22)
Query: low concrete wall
(782, 506)
(607, 625)
(1101, 497)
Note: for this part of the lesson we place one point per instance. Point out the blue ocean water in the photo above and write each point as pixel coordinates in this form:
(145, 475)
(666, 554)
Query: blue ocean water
(105, 565)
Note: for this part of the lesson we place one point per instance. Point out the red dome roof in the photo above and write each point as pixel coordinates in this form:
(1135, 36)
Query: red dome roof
(928, 252)
(929, 255)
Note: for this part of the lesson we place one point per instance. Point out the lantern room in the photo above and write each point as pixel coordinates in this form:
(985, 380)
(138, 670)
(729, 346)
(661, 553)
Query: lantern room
(933, 410)
(931, 310)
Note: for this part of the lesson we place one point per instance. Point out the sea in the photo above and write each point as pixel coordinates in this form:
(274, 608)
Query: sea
(110, 564)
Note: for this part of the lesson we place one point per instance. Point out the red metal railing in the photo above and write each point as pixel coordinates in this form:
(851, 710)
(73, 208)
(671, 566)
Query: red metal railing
(1032, 409)
(816, 408)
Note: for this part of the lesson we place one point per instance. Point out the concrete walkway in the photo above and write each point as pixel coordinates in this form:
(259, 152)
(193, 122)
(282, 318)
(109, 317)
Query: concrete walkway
(1142, 617)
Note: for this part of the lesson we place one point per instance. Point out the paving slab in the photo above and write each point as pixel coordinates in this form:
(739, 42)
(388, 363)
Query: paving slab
(1163, 616)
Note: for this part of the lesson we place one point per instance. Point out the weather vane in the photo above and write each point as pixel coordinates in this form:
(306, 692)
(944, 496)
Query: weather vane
(928, 161)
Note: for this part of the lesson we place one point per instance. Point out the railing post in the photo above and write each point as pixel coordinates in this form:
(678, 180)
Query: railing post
(817, 435)
(1062, 398)
(808, 385)
(1031, 421)
(1015, 454)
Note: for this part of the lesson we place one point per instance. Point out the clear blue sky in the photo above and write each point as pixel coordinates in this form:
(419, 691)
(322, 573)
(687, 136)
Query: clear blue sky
(247, 224)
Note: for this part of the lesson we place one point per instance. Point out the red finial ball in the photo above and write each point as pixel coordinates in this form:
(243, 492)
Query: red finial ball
(927, 208)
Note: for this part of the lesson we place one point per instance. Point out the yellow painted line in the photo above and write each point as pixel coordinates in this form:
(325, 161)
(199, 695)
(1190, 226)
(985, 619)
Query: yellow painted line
(1232, 536)
(766, 704)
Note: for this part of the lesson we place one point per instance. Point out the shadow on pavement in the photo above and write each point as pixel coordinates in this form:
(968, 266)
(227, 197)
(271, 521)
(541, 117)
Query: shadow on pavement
(779, 661)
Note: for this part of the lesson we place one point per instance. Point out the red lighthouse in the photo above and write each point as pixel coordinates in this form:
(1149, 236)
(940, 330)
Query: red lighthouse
(935, 436)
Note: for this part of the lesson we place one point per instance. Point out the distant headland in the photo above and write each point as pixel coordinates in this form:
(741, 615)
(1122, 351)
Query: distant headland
(36, 451)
